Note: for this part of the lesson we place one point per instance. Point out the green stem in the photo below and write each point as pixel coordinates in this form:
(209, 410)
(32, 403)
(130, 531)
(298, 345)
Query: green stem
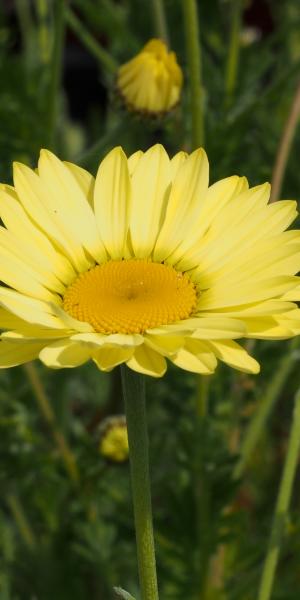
(266, 405)
(21, 520)
(233, 52)
(42, 11)
(193, 51)
(285, 146)
(201, 489)
(49, 416)
(135, 407)
(282, 506)
(56, 69)
(160, 20)
(105, 59)
(23, 10)
(95, 152)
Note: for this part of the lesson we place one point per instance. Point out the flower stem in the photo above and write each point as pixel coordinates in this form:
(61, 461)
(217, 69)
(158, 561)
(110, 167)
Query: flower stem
(104, 58)
(233, 52)
(135, 407)
(285, 146)
(193, 51)
(282, 506)
(265, 408)
(44, 42)
(160, 20)
(56, 65)
(21, 521)
(48, 414)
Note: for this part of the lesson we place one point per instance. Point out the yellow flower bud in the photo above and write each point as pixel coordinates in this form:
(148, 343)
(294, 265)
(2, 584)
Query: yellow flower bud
(151, 82)
(114, 440)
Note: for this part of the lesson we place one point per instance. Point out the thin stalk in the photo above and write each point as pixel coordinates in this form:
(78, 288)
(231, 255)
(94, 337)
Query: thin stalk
(135, 407)
(233, 51)
(193, 52)
(282, 506)
(49, 416)
(285, 146)
(21, 520)
(160, 20)
(94, 152)
(201, 490)
(23, 10)
(44, 42)
(266, 405)
(56, 67)
(104, 58)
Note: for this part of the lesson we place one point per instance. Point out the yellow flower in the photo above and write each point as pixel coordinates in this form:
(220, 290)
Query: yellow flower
(151, 82)
(114, 439)
(145, 263)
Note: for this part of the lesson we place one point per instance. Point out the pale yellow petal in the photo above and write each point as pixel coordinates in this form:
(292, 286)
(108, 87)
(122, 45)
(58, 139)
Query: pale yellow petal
(17, 221)
(235, 356)
(133, 161)
(147, 361)
(165, 344)
(109, 357)
(268, 328)
(67, 200)
(114, 339)
(195, 357)
(29, 309)
(37, 200)
(176, 162)
(150, 189)
(21, 277)
(217, 196)
(112, 202)
(219, 296)
(85, 180)
(188, 189)
(12, 354)
(64, 354)
(38, 265)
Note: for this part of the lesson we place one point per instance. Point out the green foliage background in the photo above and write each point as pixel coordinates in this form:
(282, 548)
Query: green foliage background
(63, 541)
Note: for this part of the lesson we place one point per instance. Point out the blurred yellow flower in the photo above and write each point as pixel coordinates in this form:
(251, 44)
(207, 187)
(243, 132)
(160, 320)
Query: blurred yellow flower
(151, 82)
(114, 439)
(145, 263)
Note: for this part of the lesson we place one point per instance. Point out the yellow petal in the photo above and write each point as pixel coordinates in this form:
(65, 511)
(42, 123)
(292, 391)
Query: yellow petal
(150, 188)
(115, 339)
(67, 200)
(147, 361)
(165, 344)
(29, 309)
(39, 266)
(217, 196)
(12, 354)
(17, 221)
(64, 354)
(235, 356)
(108, 358)
(176, 162)
(188, 188)
(16, 274)
(37, 200)
(218, 297)
(85, 180)
(112, 202)
(133, 161)
(195, 357)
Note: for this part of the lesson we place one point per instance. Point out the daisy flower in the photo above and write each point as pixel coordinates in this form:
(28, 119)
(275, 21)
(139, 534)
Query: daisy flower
(143, 264)
(151, 82)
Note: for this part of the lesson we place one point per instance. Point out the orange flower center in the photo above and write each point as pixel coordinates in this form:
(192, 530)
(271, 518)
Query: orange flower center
(130, 296)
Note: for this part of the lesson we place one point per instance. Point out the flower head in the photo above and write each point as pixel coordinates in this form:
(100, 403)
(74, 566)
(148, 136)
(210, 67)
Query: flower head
(145, 263)
(114, 439)
(151, 82)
